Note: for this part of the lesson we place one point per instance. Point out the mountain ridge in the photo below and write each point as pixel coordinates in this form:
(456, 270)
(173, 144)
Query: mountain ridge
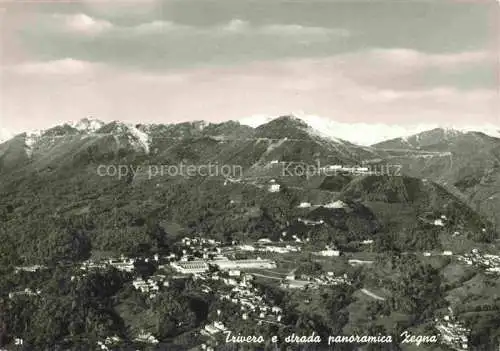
(363, 134)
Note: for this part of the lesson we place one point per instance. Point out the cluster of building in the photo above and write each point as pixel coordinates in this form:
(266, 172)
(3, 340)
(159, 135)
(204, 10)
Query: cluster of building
(25, 292)
(146, 338)
(311, 222)
(200, 254)
(270, 248)
(122, 264)
(213, 329)
(108, 343)
(491, 263)
(328, 252)
(453, 333)
(242, 293)
(314, 282)
(251, 303)
(222, 263)
(31, 269)
(200, 242)
(330, 279)
(91, 265)
(197, 247)
(152, 285)
(281, 249)
(335, 204)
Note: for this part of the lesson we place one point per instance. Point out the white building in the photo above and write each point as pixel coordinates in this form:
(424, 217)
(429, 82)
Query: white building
(439, 223)
(305, 205)
(190, 267)
(244, 264)
(311, 222)
(277, 249)
(336, 204)
(274, 188)
(247, 248)
(329, 253)
(214, 328)
(141, 285)
(123, 264)
(29, 268)
(146, 338)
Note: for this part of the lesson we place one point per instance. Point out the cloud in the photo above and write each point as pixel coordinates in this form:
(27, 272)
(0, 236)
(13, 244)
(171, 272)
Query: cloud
(5, 135)
(85, 24)
(272, 88)
(82, 23)
(414, 59)
(237, 26)
(157, 27)
(112, 8)
(406, 69)
(61, 67)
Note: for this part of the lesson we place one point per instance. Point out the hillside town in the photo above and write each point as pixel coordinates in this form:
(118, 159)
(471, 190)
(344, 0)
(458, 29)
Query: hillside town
(453, 333)
(488, 262)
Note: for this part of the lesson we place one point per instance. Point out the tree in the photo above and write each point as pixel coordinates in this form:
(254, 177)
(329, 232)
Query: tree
(416, 288)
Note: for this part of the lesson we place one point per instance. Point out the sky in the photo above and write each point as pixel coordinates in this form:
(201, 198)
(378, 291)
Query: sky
(391, 62)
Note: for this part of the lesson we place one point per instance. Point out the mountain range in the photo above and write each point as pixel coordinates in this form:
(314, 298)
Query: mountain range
(370, 133)
(359, 133)
(444, 174)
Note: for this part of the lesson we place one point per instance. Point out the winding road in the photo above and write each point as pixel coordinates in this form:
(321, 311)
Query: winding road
(372, 295)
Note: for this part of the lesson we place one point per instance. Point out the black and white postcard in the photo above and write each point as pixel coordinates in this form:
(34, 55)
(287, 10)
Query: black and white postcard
(272, 175)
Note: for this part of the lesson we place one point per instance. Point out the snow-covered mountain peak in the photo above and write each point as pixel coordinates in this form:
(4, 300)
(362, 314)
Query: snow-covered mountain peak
(488, 129)
(142, 139)
(314, 125)
(364, 134)
(367, 134)
(139, 139)
(30, 139)
(89, 125)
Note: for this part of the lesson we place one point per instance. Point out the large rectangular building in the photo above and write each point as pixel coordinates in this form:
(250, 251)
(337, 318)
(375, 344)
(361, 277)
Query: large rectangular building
(190, 267)
(244, 264)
